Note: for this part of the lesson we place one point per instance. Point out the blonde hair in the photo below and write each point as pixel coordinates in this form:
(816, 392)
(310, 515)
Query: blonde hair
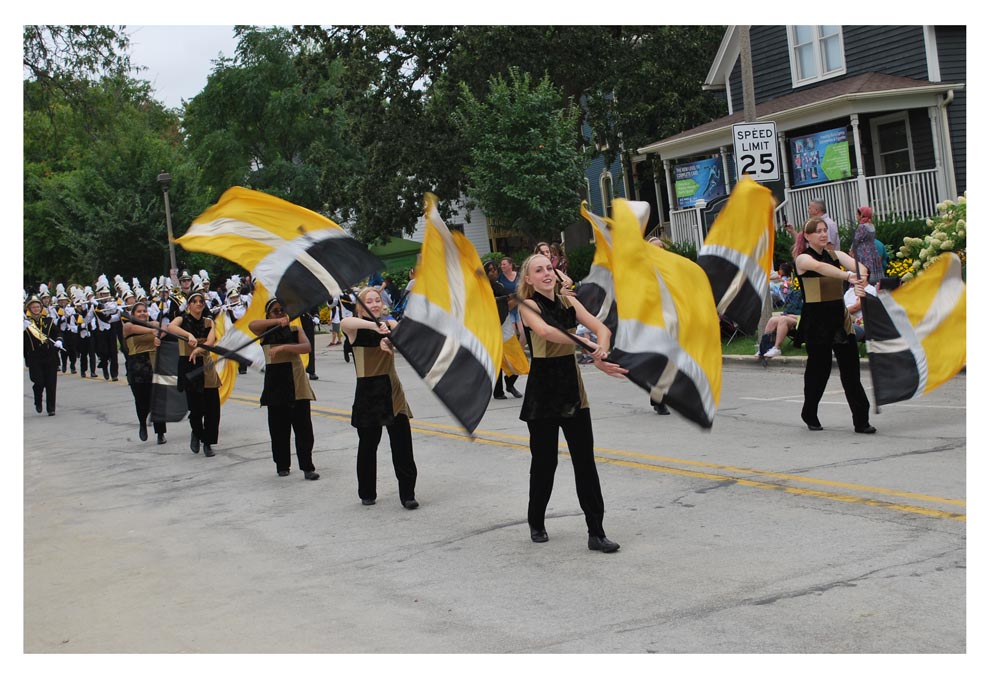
(524, 290)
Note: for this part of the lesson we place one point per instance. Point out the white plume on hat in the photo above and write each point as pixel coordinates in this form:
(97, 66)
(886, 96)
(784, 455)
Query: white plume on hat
(59, 289)
(88, 290)
(204, 276)
(233, 286)
(102, 284)
(43, 290)
(139, 293)
(197, 284)
(78, 296)
(119, 283)
(135, 284)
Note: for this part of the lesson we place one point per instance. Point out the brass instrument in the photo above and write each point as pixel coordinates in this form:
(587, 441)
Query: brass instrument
(36, 331)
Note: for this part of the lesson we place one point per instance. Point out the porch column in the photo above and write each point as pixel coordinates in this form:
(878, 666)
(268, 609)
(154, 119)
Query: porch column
(860, 176)
(937, 142)
(656, 186)
(722, 151)
(784, 164)
(670, 190)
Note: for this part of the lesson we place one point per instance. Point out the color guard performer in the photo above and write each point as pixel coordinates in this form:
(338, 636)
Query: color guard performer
(203, 391)
(287, 392)
(379, 402)
(556, 400)
(140, 359)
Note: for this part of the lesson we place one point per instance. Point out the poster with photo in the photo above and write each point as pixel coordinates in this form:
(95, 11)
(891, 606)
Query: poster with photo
(700, 180)
(821, 157)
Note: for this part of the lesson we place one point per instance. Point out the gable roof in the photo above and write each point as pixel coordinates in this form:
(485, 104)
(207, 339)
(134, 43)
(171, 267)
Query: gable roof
(867, 92)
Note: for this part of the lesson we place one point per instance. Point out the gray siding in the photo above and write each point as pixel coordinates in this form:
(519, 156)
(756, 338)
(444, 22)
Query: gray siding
(897, 50)
(594, 173)
(951, 42)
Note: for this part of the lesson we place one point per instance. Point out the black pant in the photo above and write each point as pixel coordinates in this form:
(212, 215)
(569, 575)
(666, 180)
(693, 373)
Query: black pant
(87, 354)
(400, 439)
(43, 372)
(142, 403)
(306, 321)
(106, 349)
(816, 374)
(510, 381)
(68, 357)
(204, 413)
(543, 446)
(282, 421)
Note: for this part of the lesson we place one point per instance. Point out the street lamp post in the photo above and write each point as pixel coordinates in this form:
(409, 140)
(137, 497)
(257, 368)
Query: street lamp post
(164, 179)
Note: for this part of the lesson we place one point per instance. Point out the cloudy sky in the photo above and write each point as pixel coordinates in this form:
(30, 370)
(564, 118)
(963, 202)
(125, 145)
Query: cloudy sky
(178, 59)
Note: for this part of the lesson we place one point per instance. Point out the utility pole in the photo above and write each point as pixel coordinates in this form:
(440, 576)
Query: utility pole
(749, 115)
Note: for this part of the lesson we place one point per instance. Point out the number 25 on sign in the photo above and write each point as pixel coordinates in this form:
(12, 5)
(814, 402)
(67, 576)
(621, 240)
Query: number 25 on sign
(756, 151)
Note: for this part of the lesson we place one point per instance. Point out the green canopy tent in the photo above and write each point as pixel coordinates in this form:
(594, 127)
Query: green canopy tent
(399, 254)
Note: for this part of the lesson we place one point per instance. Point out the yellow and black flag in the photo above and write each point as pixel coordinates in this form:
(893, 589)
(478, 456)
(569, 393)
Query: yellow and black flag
(302, 257)
(737, 254)
(450, 331)
(596, 291)
(668, 331)
(916, 334)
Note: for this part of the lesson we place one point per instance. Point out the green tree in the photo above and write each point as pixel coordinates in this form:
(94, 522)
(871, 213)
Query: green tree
(524, 168)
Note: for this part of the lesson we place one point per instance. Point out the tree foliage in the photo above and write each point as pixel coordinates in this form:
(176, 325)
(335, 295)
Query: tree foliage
(524, 168)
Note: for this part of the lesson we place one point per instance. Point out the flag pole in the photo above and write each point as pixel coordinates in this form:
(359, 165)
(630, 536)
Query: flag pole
(876, 406)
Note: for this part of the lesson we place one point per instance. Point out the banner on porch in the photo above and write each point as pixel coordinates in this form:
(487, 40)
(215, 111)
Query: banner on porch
(820, 157)
(700, 180)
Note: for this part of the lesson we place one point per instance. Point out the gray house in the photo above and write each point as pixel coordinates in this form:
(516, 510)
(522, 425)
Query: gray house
(865, 115)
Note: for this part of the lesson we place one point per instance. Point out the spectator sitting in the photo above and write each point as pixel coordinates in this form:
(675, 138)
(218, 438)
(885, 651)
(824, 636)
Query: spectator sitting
(585, 334)
(780, 281)
(855, 306)
(779, 326)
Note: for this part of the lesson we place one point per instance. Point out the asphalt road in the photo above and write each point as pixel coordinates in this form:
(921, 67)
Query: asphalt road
(756, 537)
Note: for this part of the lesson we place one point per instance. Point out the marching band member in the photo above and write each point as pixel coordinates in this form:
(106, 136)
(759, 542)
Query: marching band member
(213, 301)
(86, 303)
(69, 329)
(107, 313)
(235, 309)
(42, 342)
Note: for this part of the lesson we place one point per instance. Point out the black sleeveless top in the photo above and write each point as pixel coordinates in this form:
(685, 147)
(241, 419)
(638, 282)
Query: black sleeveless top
(824, 318)
(554, 388)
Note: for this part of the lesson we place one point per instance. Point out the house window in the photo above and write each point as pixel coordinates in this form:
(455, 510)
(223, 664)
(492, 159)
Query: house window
(892, 144)
(817, 53)
(608, 195)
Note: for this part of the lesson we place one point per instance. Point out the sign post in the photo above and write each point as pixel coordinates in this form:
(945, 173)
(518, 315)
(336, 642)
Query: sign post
(756, 151)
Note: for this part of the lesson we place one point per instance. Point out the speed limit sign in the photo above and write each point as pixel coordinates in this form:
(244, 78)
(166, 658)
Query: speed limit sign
(756, 150)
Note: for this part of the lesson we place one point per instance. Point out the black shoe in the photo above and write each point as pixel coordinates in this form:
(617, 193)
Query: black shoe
(602, 544)
(193, 443)
(207, 451)
(161, 439)
(661, 409)
(538, 535)
(113, 379)
(311, 476)
(868, 429)
(314, 377)
(73, 371)
(143, 431)
(367, 500)
(51, 413)
(283, 472)
(410, 504)
(814, 425)
(514, 392)
(500, 397)
(37, 407)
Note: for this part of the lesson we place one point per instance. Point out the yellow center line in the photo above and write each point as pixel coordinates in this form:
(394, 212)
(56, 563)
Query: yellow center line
(522, 443)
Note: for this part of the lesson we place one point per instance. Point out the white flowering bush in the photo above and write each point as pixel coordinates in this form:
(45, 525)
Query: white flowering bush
(948, 235)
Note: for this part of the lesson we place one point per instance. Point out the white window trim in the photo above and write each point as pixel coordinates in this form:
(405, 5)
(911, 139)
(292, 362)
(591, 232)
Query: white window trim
(609, 200)
(875, 139)
(791, 43)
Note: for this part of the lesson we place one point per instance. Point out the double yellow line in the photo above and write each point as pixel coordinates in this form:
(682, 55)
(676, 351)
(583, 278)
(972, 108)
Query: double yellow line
(837, 491)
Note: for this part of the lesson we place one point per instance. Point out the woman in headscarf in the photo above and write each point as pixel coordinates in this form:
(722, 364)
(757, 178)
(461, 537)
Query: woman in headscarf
(864, 245)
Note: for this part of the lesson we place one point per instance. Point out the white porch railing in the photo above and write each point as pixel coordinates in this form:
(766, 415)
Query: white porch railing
(685, 226)
(893, 196)
(903, 195)
(841, 200)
